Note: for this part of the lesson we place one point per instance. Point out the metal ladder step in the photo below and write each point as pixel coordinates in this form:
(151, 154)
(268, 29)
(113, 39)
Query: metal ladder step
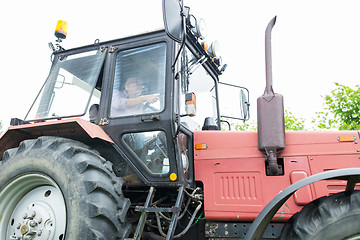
(157, 209)
(146, 209)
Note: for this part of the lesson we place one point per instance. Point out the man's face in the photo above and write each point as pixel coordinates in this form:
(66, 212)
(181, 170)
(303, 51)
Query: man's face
(134, 89)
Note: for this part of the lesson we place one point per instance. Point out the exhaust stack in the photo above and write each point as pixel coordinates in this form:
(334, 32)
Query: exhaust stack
(270, 115)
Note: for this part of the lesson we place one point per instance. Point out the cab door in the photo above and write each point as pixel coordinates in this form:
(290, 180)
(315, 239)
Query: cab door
(138, 109)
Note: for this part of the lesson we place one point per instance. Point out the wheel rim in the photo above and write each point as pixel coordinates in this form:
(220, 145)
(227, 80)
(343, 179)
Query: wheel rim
(32, 207)
(357, 237)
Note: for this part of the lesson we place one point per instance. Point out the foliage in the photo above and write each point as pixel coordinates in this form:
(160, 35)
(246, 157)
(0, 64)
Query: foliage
(246, 126)
(325, 120)
(341, 109)
(238, 126)
(293, 123)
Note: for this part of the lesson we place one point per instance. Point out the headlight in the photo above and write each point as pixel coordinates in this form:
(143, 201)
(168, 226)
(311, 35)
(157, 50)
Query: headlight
(201, 28)
(214, 49)
(198, 27)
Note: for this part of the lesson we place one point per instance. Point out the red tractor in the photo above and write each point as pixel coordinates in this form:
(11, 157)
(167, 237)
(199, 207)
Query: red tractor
(124, 141)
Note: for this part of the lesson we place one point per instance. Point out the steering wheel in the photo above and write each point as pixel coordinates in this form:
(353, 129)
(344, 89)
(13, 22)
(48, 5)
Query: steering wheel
(148, 108)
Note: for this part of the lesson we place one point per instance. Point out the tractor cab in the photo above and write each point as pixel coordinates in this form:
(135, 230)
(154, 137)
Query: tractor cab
(149, 93)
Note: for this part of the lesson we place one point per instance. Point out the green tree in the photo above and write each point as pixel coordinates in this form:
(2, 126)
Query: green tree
(236, 125)
(341, 109)
(324, 120)
(246, 126)
(291, 123)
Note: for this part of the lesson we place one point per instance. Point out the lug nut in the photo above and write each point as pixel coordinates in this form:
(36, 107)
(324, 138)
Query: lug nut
(39, 233)
(18, 226)
(25, 216)
(32, 223)
(33, 214)
(40, 220)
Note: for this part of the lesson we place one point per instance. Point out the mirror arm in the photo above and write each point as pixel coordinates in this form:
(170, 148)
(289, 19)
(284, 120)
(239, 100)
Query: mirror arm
(227, 122)
(247, 103)
(184, 35)
(195, 65)
(173, 66)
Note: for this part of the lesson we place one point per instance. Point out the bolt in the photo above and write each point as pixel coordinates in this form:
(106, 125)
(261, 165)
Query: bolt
(225, 225)
(39, 233)
(358, 150)
(33, 214)
(18, 226)
(25, 216)
(311, 158)
(32, 223)
(226, 233)
(40, 220)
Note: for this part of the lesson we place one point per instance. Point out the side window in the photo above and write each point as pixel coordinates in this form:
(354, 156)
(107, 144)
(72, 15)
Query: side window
(139, 84)
(151, 148)
(184, 152)
(199, 82)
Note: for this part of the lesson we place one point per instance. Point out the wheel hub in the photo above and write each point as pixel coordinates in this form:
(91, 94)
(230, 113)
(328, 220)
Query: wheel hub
(35, 212)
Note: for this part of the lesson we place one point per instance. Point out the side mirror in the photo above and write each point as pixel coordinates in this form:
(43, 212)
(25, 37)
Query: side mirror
(240, 112)
(244, 105)
(173, 20)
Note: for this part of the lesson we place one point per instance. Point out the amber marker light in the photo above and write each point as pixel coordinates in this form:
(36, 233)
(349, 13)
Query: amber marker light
(201, 146)
(173, 177)
(346, 138)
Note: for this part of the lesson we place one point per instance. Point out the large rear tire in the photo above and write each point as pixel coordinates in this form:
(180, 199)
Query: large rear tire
(335, 217)
(54, 188)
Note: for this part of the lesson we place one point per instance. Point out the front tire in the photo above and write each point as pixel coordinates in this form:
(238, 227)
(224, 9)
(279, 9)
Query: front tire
(54, 188)
(334, 217)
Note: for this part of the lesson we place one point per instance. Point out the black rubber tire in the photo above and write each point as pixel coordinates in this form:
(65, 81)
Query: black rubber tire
(335, 217)
(95, 205)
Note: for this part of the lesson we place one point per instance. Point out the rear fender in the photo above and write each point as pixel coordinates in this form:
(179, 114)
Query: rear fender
(256, 231)
(74, 128)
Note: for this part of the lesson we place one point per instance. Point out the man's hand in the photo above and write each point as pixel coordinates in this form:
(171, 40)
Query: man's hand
(142, 99)
(152, 98)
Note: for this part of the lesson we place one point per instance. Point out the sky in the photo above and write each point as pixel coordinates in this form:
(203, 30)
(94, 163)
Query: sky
(314, 44)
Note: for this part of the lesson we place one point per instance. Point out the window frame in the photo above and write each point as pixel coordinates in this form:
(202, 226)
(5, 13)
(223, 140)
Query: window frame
(162, 121)
(165, 81)
(56, 60)
(208, 68)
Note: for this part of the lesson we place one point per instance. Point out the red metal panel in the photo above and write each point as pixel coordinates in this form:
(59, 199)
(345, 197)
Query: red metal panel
(234, 190)
(237, 188)
(94, 131)
(233, 171)
(302, 196)
(328, 162)
(72, 128)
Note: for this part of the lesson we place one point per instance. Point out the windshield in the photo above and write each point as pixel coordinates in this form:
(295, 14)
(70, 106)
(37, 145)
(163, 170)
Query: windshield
(69, 87)
(199, 82)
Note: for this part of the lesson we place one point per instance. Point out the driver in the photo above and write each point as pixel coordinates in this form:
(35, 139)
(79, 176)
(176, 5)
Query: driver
(131, 101)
